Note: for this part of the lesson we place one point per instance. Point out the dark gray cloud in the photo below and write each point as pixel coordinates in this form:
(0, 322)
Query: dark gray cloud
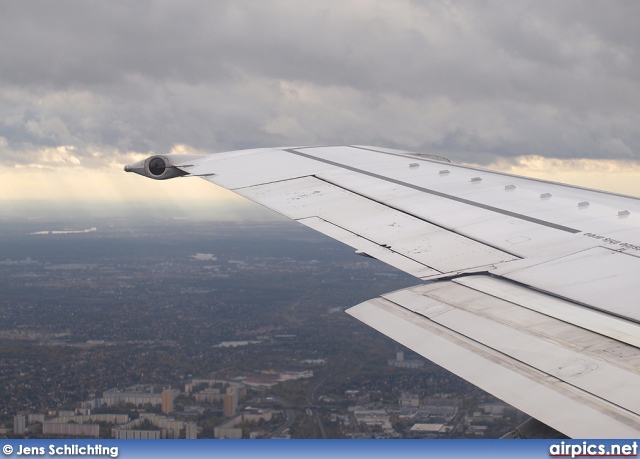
(470, 80)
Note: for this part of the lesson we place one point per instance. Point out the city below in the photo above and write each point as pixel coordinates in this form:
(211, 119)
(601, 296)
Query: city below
(173, 328)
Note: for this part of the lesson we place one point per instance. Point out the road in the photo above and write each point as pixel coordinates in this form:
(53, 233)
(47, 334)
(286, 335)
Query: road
(290, 416)
(313, 413)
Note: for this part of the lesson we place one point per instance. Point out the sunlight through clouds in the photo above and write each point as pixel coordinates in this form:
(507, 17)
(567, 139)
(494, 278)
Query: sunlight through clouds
(493, 84)
(615, 176)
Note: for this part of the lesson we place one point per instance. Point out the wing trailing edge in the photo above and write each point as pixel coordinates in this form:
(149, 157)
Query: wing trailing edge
(559, 373)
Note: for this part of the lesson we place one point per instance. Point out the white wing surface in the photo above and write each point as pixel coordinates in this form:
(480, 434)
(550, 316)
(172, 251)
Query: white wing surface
(528, 288)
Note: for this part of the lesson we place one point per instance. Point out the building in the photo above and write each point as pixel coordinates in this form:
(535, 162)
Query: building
(125, 434)
(188, 388)
(230, 428)
(373, 418)
(168, 396)
(227, 430)
(191, 431)
(263, 381)
(496, 409)
(33, 418)
(138, 395)
(208, 396)
(288, 375)
(407, 399)
(88, 418)
(74, 430)
(230, 402)
(162, 427)
(256, 414)
(430, 430)
(444, 408)
(400, 362)
(19, 424)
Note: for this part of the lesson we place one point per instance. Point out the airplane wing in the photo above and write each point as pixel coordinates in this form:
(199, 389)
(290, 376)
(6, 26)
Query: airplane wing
(528, 289)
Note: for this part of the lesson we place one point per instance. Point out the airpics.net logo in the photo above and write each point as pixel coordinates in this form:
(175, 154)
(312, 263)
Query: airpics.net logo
(588, 449)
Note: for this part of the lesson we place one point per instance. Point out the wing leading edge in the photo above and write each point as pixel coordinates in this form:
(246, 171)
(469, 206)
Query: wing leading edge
(528, 287)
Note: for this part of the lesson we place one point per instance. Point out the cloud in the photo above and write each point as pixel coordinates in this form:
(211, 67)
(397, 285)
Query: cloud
(471, 81)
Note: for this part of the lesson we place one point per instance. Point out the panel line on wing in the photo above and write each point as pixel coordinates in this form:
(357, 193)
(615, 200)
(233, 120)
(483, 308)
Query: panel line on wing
(412, 215)
(600, 281)
(416, 156)
(438, 193)
(568, 311)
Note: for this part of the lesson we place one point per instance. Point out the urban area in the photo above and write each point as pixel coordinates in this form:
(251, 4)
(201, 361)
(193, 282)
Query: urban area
(172, 328)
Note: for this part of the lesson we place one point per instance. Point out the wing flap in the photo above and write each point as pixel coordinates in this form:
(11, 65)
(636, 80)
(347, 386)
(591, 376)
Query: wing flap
(427, 244)
(370, 248)
(552, 376)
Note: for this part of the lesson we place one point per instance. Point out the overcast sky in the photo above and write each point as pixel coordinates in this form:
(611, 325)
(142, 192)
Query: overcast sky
(87, 86)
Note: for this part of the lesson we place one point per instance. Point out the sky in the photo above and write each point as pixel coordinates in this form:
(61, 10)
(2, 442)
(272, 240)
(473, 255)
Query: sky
(542, 88)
